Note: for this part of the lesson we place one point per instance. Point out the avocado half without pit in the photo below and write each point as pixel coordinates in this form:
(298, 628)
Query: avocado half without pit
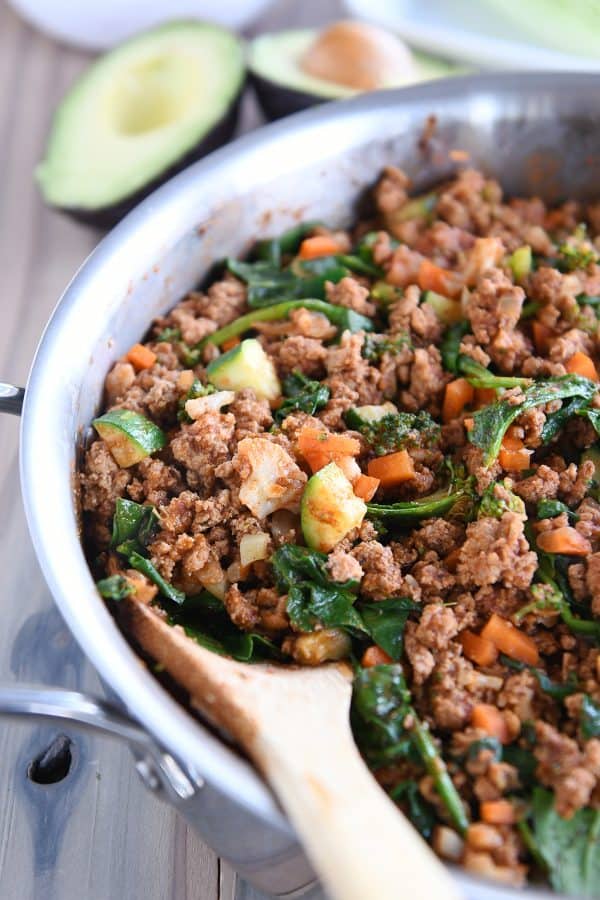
(138, 115)
(292, 70)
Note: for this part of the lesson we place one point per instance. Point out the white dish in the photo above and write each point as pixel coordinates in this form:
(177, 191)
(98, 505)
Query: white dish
(459, 29)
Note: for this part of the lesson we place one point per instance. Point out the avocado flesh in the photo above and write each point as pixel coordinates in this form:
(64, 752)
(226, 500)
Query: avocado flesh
(138, 114)
(283, 87)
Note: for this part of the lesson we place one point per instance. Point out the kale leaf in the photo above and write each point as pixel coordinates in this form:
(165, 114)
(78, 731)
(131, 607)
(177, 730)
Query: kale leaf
(115, 587)
(302, 394)
(589, 718)
(570, 848)
(395, 431)
(386, 728)
(491, 423)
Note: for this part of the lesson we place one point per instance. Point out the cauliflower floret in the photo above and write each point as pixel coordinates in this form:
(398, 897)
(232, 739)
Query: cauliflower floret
(270, 479)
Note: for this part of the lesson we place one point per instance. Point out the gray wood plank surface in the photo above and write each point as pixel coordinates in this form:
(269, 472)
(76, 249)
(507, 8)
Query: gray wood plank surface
(97, 834)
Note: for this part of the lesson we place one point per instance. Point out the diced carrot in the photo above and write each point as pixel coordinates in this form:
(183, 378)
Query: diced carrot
(485, 396)
(490, 719)
(497, 812)
(230, 343)
(141, 357)
(510, 640)
(375, 656)
(443, 281)
(581, 364)
(479, 649)
(392, 469)
(458, 394)
(319, 245)
(366, 487)
(451, 561)
(541, 336)
(514, 456)
(565, 540)
(320, 447)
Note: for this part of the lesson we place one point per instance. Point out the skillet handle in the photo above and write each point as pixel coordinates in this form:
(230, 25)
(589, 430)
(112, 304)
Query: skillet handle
(11, 398)
(157, 768)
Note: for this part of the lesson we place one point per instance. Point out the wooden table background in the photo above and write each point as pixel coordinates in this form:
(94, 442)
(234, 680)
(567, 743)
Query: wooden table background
(98, 834)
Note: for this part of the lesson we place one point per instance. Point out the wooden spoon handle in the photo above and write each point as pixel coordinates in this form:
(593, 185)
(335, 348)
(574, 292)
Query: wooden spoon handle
(360, 844)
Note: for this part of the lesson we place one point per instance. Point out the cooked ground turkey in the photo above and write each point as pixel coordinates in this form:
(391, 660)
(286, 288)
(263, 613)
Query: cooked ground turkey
(493, 582)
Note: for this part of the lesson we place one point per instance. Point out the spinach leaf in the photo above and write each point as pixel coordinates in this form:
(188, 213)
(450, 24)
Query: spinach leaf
(302, 394)
(480, 377)
(589, 718)
(549, 509)
(395, 431)
(344, 319)
(556, 421)
(486, 743)
(313, 598)
(115, 587)
(552, 591)
(570, 848)
(524, 762)
(587, 300)
(133, 522)
(437, 504)
(386, 727)
(205, 620)
(593, 416)
(420, 812)
(450, 346)
(147, 568)
(268, 284)
(385, 621)
(558, 691)
(491, 423)
(360, 265)
(272, 250)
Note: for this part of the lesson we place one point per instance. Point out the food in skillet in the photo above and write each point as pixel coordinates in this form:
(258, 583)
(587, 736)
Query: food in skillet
(381, 445)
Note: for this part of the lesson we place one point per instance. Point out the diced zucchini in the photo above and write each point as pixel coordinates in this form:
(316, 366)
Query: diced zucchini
(329, 509)
(366, 415)
(521, 262)
(448, 311)
(246, 366)
(129, 436)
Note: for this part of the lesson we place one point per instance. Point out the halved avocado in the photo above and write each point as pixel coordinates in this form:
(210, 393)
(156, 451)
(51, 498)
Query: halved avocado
(284, 84)
(138, 115)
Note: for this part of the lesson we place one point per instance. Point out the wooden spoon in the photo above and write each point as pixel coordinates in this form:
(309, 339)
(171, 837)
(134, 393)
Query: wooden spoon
(294, 724)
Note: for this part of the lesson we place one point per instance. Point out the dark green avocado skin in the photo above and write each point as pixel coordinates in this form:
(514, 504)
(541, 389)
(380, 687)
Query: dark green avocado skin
(107, 216)
(277, 101)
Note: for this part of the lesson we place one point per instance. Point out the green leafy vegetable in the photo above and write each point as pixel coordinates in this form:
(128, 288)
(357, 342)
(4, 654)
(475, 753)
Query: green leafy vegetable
(313, 598)
(195, 391)
(576, 252)
(529, 310)
(204, 619)
(133, 522)
(491, 423)
(375, 345)
(450, 346)
(147, 568)
(387, 727)
(343, 318)
(570, 848)
(420, 812)
(268, 284)
(524, 762)
(487, 743)
(588, 300)
(272, 250)
(589, 718)
(549, 509)
(593, 416)
(359, 265)
(302, 394)
(437, 504)
(496, 503)
(385, 621)
(169, 335)
(395, 431)
(554, 689)
(115, 587)
(556, 421)
(480, 377)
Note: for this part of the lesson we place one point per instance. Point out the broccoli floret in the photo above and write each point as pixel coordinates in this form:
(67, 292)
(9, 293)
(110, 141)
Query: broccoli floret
(498, 499)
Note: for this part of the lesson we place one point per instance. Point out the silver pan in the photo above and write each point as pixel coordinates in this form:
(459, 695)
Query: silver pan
(537, 133)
